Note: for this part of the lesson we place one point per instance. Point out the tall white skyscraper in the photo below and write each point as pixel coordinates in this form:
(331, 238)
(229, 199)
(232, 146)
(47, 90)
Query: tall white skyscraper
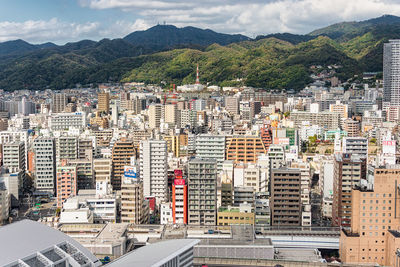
(153, 168)
(391, 72)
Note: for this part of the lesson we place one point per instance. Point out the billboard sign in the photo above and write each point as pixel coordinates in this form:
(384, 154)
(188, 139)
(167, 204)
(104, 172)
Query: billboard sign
(130, 172)
(179, 182)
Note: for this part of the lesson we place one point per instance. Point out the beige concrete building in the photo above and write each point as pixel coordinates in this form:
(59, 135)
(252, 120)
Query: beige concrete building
(132, 203)
(373, 236)
(352, 127)
(103, 102)
(341, 109)
(348, 171)
(122, 152)
(102, 169)
(236, 216)
(155, 113)
(171, 114)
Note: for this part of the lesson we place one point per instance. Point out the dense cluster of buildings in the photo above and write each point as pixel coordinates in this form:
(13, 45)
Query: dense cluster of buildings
(137, 154)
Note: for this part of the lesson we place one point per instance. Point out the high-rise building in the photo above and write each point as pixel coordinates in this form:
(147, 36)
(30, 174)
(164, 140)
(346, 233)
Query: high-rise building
(179, 199)
(348, 171)
(14, 156)
(156, 113)
(286, 197)
(45, 164)
(391, 72)
(374, 235)
(66, 183)
(211, 147)
(202, 195)
(59, 101)
(171, 114)
(122, 152)
(132, 203)
(266, 136)
(103, 102)
(244, 148)
(153, 168)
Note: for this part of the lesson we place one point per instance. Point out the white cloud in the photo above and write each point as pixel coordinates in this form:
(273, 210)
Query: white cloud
(54, 30)
(251, 17)
(37, 31)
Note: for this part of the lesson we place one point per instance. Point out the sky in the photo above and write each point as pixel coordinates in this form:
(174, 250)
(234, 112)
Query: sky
(62, 21)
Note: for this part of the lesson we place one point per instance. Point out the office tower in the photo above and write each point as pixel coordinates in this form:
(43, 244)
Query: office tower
(14, 156)
(132, 208)
(232, 105)
(244, 148)
(188, 118)
(202, 195)
(374, 235)
(156, 113)
(285, 197)
(352, 127)
(211, 147)
(355, 145)
(122, 152)
(45, 164)
(59, 101)
(179, 199)
(171, 114)
(102, 169)
(65, 121)
(67, 148)
(66, 183)
(153, 168)
(391, 72)
(103, 102)
(348, 172)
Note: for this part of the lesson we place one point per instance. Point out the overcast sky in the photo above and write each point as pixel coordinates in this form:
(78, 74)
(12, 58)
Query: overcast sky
(62, 21)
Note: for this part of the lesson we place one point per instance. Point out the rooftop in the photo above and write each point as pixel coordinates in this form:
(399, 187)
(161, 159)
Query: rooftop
(25, 238)
(155, 254)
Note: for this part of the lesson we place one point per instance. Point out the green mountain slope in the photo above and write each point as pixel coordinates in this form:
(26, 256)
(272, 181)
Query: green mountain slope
(274, 61)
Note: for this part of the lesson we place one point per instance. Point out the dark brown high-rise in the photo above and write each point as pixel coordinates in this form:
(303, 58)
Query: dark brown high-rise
(122, 152)
(285, 197)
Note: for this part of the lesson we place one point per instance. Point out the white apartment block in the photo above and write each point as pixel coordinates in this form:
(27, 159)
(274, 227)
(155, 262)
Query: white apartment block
(65, 121)
(14, 156)
(211, 147)
(153, 168)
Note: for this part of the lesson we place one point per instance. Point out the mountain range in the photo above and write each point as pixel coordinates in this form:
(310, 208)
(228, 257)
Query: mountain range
(170, 54)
